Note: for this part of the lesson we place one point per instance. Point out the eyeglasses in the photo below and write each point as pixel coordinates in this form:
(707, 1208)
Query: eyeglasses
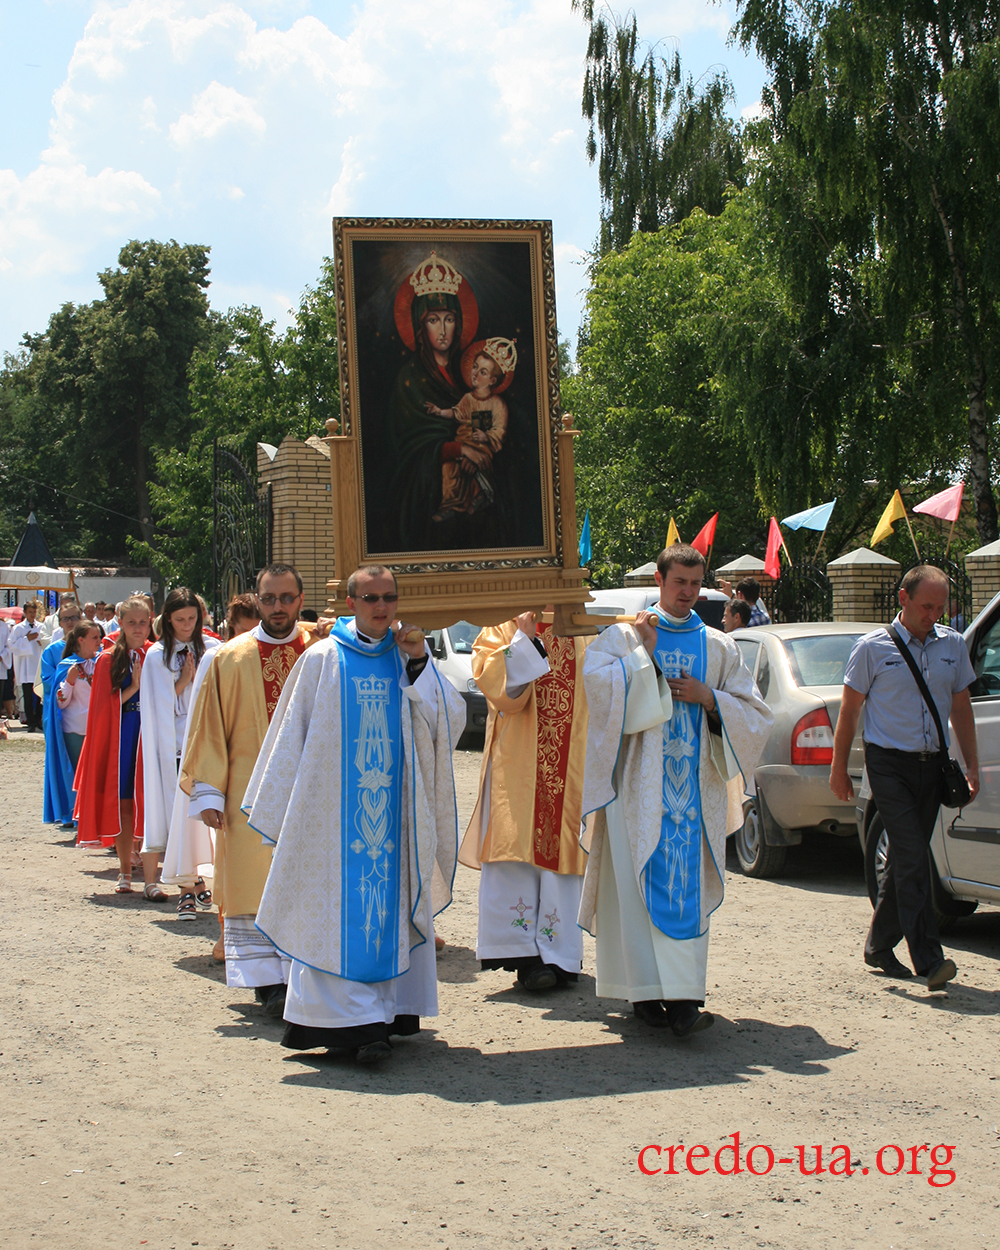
(391, 598)
(74, 617)
(269, 600)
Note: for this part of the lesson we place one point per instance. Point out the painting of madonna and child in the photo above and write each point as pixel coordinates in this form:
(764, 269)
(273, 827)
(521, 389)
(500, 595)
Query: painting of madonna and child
(447, 394)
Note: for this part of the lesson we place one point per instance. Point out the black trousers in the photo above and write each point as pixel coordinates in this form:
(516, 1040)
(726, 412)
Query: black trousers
(907, 792)
(32, 705)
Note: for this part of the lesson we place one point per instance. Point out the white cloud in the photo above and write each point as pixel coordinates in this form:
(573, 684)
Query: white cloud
(214, 110)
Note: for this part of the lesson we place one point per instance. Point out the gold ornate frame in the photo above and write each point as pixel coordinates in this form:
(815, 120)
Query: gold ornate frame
(440, 587)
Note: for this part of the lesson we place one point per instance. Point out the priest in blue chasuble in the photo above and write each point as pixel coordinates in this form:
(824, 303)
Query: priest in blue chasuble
(676, 724)
(354, 786)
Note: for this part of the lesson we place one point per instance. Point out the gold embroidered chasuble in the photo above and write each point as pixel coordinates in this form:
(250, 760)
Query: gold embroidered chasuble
(533, 758)
(228, 725)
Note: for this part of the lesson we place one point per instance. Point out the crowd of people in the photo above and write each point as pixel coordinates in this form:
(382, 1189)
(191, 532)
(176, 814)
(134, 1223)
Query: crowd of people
(311, 768)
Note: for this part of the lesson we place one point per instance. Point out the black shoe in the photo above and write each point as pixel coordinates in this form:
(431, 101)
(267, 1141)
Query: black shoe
(543, 978)
(889, 964)
(374, 1052)
(941, 974)
(653, 1013)
(685, 1018)
(272, 999)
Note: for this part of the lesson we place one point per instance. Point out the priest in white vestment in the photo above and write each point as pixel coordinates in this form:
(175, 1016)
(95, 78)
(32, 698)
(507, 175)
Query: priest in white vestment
(354, 786)
(676, 724)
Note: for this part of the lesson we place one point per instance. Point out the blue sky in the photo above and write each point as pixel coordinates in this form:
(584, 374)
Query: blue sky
(248, 124)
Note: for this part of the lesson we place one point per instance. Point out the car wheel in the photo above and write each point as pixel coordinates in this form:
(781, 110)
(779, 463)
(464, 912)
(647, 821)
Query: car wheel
(946, 909)
(757, 859)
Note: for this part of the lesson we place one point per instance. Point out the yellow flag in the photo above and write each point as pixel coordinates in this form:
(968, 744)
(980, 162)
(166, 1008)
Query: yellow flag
(895, 511)
(672, 536)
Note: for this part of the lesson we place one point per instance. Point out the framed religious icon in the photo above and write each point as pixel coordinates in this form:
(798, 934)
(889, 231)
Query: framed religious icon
(449, 465)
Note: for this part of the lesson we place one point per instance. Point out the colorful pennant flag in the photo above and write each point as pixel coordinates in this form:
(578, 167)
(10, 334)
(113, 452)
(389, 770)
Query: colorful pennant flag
(945, 505)
(705, 537)
(673, 538)
(772, 565)
(585, 551)
(817, 518)
(895, 511)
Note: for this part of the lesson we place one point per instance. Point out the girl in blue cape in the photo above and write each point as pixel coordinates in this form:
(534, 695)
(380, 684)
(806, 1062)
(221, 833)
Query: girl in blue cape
(67, 689)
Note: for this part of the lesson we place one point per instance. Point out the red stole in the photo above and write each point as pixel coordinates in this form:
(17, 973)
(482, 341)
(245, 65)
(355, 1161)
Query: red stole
(554, 711)
(97, 804)
(277, 659)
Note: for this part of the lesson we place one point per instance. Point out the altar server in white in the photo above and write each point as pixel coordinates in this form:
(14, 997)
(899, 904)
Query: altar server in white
(354, 786)
(675, 719)
(166, 697)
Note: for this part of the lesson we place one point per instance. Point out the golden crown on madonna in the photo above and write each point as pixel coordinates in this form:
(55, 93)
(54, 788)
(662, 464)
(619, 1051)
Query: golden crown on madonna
(435, 276)
(503, 352)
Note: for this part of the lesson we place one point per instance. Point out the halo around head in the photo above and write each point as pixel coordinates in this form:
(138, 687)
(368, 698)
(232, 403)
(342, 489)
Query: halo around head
(435, 277)
(501, 351)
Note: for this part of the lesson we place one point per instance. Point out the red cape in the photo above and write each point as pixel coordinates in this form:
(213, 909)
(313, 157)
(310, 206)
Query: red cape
(97, 804)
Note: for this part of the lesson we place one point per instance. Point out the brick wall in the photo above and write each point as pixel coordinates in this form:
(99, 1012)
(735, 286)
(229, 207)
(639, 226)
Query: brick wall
(984, 572)
(302, 507)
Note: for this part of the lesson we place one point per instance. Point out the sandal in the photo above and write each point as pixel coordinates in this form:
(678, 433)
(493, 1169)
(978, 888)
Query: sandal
(202, 896)
(124, 885)
(186, 909)
(154, 893)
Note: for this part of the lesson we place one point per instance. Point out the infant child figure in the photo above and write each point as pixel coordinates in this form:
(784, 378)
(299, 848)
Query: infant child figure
(481, 417)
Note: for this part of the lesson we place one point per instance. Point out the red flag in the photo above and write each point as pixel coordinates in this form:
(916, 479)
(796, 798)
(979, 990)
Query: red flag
(772, 565)
(705, 537)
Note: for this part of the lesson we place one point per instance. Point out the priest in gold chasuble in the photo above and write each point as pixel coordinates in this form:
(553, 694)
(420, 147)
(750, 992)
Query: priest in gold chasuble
(229, 721)
(524, 834)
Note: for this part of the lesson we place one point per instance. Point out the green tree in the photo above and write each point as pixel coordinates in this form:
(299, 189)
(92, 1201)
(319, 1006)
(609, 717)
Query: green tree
(884, 174)
(663, 144)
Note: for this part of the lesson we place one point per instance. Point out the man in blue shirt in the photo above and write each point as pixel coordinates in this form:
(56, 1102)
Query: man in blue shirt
(904, 761)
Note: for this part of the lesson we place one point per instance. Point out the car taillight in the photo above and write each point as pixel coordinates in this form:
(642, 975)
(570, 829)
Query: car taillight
(812, 739)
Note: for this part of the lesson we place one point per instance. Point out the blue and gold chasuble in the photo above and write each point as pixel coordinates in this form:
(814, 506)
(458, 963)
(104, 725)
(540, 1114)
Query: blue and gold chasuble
(371, 770)
(671, 878)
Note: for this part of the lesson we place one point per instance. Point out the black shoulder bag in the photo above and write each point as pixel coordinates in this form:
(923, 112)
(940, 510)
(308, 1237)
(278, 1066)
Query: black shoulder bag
(954, 789)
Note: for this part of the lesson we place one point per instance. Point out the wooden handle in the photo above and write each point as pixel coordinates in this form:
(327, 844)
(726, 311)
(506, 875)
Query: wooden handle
(592, 618)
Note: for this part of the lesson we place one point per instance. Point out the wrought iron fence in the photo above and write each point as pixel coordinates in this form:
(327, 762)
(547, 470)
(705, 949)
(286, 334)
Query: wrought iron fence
(241, 530)
(803, 593)
(885, 598)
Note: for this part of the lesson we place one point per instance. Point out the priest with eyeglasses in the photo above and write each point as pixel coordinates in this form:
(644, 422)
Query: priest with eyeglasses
(237, 701)
(354, 789)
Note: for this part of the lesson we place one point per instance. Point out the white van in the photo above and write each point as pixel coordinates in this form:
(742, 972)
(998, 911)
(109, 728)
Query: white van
(452, 649)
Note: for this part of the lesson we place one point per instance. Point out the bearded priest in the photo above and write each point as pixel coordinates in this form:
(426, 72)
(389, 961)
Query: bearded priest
(675, 719)
(355, 790)
(235, 705)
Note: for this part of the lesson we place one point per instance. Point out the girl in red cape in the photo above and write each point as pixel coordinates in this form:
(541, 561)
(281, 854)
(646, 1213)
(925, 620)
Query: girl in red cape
(109, 775)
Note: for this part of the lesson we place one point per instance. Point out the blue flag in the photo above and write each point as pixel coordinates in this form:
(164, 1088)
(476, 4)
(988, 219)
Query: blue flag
(812, 518)
(585, 551)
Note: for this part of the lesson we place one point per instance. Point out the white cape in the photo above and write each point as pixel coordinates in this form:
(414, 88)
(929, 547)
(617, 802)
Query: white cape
(294, 800)
(189, 839)
(746, 724)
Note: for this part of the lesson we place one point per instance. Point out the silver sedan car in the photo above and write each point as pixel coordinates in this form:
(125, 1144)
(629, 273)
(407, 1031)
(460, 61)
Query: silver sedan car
(799, 670)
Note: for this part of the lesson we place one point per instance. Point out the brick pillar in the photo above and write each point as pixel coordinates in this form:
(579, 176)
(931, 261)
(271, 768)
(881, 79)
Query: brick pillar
(302, 509)
(856, 579)
(983, 568)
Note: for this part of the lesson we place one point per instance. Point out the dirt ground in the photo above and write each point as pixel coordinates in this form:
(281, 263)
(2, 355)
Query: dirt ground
(145, 1104)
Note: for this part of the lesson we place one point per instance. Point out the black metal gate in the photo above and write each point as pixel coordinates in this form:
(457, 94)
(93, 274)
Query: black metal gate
(803, 593)
(241, 529)
(959, 610)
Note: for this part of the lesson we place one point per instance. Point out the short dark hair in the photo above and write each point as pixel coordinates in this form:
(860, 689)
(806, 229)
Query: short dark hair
(740, 608)
(309, 614)
(679, 553)
(369, 570)
(922, 573)
(749, 588)
(277, 570)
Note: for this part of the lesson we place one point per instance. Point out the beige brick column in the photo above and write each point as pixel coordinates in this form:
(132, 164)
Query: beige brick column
(983, 568)
(301, 502)
(856, 580)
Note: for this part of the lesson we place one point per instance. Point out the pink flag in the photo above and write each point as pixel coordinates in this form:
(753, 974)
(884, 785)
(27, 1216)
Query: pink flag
(705, 537)
(772, 565)
(946, 505)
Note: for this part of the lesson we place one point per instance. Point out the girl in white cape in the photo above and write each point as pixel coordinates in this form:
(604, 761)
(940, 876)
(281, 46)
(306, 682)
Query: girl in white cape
(167, 696)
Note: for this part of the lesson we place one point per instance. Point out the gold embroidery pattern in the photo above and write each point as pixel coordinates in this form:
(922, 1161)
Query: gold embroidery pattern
(275, 669)
(554, 708)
